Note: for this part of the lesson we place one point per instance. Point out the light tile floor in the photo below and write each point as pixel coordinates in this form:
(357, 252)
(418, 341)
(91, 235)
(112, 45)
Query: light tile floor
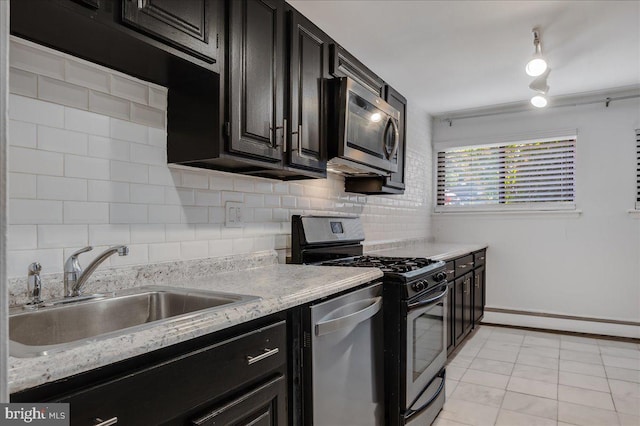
(511, 377)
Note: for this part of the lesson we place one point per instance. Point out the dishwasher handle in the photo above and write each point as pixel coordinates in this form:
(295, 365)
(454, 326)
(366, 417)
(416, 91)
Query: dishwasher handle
(330, 326)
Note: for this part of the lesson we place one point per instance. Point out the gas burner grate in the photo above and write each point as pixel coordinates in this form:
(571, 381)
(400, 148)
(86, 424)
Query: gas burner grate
(386, 264)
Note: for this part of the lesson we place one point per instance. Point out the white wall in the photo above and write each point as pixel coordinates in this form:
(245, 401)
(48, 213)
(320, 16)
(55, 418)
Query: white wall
(585, 265)
(4, 84)
(88, 166)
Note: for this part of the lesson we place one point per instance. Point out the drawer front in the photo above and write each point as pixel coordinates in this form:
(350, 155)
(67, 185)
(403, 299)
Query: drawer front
(479, 257)
(450, 270)
(166, 390)
(463, 265)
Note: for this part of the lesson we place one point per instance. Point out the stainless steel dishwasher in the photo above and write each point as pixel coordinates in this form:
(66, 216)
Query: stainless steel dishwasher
(343, 359)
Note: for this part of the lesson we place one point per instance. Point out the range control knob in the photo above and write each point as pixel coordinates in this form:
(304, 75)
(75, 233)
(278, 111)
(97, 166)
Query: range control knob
(440, 276)
(419, 286)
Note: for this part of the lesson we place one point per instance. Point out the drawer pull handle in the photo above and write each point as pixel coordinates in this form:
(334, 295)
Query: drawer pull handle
(470, 264)
(266, 354)
(100, 422)
(450, 271)
(462, 266)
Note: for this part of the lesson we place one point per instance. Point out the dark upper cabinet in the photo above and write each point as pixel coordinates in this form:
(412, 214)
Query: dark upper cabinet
(308, 72)
(344, 64)
(255, 79)
(189, 25)
(393, 184)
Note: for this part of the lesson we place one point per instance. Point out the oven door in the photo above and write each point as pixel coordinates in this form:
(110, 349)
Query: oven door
(426, 340)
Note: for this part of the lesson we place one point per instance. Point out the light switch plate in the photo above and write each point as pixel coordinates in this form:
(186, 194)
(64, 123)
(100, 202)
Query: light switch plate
(234, 214)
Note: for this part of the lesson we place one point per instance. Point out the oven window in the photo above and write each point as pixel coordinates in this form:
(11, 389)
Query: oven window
(365, 126)
(427, 338)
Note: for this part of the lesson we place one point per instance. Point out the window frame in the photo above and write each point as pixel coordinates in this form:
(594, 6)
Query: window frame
(637, 204)
(555, 206)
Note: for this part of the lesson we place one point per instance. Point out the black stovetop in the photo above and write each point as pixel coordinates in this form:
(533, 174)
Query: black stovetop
(386, 264)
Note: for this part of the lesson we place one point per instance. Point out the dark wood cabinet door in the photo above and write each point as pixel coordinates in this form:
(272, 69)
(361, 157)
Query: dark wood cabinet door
(255, 74)
(478, 294)
(451, 317)
(343, 64)
(467, 302)
(189, 25)
(458, 309)
(308, 71)
(264, 405)
(399, 102)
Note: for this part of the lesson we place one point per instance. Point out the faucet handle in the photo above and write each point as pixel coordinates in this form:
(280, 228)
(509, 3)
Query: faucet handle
(34, 285)
(82, 250)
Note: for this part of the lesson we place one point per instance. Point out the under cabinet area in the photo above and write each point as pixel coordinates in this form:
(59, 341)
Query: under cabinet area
(467, 295)
(241, 380)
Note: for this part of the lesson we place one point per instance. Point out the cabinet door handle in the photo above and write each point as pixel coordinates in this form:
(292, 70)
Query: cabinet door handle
(450, 271)
(470, 263)
(99, 422)
(140, 6)
(462, 266)
(299, 142)
(266, 354)
(274, 136)
(477, 283)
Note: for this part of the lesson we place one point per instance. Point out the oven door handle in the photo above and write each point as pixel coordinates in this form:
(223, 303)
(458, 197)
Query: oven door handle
(421, 303)
(410, 412)
(329, 326)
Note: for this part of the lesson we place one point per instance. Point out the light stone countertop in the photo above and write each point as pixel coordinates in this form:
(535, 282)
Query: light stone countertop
(435, 251)
(280, 286)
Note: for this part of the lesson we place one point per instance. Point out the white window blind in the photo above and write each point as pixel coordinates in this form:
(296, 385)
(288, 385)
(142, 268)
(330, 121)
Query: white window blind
(518, 174)
(638, 169)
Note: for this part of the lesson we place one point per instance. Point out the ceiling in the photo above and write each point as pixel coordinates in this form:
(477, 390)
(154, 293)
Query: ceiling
(455, 55)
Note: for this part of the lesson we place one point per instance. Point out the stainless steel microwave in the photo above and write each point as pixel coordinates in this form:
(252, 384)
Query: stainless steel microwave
(363, 130)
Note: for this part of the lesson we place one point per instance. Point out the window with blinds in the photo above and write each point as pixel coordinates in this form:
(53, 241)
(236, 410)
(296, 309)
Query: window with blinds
(532, 174)
(638, 169)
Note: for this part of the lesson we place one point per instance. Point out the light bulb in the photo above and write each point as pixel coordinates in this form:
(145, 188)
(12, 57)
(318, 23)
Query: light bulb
(375, 117)
(536, 66)
(539, 101)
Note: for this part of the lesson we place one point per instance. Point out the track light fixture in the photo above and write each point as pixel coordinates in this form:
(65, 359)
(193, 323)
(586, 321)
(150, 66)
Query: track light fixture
(537, 64)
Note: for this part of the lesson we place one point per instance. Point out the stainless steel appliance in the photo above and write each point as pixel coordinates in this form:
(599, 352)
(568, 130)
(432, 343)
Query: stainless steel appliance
(415, 312)
(344, 351)
(364, 131)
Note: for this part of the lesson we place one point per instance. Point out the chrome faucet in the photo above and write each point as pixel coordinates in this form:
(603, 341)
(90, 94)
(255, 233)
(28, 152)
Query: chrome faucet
(34, 286)
(75, 277)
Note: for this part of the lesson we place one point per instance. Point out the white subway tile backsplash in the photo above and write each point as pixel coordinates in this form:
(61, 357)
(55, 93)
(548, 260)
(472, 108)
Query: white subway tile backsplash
(195, 180)
(102, 147)
(38, 61)
(86, 167)
(22, 185)
(253, 200)
(207, 198)
(23, 83)
(157, 137)
(288, 201)
(129, 172)
(148, 233)
(195, 215)
(176, 196)
(158, 97)
(127, 131)
(164, 252)
(60, 92)
(32, 212)
(61, 188)
(263, 215)
(147, 194)
(87, 122)
(243, 245)
(85, 212)
(272, 201)
(109, 105)
(162, 175)
(232, 196)
(129, 89)
(148, 116)
(34, 161)
(60, 140)
(165, 214)
(180, 232)
(217, 214)
(220, 247)
(22, 237)
(128, 213)
(207, 231)
(86, 76)
(19, 260)
(194, 249)
(104, 190)
(61, 236)
(138, 254)
(35, 111)
(243, 185)
(147, 154)
(218, 181)
(102, 235)
(22, 134)
(263, 187)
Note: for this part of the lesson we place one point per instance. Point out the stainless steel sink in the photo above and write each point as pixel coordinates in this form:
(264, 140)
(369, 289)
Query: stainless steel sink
(63, 326)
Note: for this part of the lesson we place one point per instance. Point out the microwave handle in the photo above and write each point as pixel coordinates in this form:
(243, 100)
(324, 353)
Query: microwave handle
(396, 138)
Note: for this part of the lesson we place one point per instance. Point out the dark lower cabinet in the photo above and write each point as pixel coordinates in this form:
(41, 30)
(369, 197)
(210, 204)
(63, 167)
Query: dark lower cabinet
(240, 380)
(467, 296)
(255, 79)
(190, 25)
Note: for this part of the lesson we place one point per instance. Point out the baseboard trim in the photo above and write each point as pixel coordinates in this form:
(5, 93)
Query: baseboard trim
(575, 324)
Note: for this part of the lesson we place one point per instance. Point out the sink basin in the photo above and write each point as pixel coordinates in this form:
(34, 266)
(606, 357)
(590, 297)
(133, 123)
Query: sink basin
(60, 327)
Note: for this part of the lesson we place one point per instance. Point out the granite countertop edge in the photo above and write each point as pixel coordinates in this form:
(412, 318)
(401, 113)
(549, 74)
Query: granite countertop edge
(296, 285)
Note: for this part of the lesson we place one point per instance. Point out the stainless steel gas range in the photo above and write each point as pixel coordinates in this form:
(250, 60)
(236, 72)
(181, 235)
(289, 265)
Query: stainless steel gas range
(414, 312)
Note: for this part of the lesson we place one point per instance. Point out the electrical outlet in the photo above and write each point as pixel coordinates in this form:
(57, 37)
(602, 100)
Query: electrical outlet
(234, 214)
